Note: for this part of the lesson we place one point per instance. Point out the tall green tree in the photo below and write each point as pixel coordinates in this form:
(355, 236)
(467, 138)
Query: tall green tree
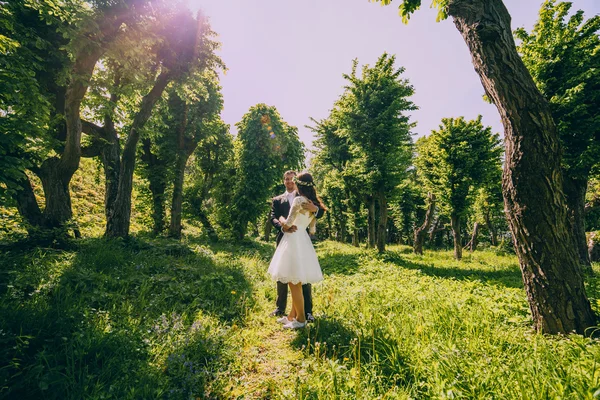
(532, 179)
(563, 55)
(265, 147)
(452, 162)
(379, 130)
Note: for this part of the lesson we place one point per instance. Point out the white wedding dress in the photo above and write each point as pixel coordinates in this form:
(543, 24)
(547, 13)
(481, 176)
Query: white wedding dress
(295, 259)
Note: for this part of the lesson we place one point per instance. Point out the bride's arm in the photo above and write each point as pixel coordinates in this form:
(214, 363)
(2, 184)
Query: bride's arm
(296, 207)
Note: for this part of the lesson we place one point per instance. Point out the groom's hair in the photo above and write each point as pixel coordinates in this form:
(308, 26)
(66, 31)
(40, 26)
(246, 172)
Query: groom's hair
(290, 172)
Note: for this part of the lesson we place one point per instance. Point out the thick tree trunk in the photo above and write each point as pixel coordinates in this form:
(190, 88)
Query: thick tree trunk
(55, 181)
(491, 228)
(383, 220)
(575, 190)
(455, 224)
(532, 179)
(421, 231)
(371, 223)
(118, 219)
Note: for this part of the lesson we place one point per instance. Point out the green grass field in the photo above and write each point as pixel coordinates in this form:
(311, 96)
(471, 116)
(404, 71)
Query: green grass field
(149, 319)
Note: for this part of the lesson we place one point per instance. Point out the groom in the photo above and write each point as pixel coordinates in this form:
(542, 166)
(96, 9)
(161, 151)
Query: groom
(281, 207)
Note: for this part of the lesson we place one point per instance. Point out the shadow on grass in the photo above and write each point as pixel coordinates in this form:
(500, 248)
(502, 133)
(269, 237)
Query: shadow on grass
(509, 277)
(91, 323)
(339, 263)
(374, 351)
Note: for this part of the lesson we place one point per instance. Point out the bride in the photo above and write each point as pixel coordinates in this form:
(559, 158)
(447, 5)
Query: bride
(295, 260)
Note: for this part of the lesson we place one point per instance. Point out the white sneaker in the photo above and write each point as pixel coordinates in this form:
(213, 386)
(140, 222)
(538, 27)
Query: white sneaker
(283, 320)
(294, 325)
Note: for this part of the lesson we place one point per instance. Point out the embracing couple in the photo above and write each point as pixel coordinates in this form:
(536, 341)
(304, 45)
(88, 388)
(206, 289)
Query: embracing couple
(295, 262)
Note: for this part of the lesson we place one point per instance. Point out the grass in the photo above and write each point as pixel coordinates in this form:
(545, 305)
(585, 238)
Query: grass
(153, 318)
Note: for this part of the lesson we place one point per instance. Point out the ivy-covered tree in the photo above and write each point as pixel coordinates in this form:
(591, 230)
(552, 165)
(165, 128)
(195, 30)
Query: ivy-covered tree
(533, 180)
(264, 148)
(452, 162)
(563, 56)
(206, 170)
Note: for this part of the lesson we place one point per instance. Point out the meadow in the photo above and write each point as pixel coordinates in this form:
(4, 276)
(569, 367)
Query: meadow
(155, 318)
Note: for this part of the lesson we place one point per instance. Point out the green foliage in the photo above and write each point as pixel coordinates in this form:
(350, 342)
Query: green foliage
(265, 147)
(408, 7)
(562, 54)
(375, 123)
(33, 61)
(455, 159)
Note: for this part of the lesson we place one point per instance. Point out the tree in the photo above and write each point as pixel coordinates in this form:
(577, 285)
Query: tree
(532, 179)
(452, 162)
(563, 58)
(379, 130)
(74, 37)
(214, 152)
(265, 147)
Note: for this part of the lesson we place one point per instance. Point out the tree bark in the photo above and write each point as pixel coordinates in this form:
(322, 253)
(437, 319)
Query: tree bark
(421, 231)
(532, 178)
(267, 229)
(575, 190)
(177, 203)
(371, 222)
(455, 224)
(119, 217)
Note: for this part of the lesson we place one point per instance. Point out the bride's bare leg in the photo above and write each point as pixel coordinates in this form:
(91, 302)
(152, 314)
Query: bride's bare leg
(293, 311)
(298, 301)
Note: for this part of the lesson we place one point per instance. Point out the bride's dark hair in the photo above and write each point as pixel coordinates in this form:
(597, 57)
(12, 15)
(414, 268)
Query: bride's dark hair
(306, 188)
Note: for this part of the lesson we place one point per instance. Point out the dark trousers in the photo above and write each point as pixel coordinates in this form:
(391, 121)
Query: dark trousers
(282, 294)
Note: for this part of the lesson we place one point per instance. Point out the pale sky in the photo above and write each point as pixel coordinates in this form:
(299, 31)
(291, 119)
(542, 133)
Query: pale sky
(291, 54)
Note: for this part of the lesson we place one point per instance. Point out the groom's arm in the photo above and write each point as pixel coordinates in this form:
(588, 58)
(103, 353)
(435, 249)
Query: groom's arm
(319, 212)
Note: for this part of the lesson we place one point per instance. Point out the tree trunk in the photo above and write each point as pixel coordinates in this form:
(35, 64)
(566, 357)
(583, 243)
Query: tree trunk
(111, 161)
(210, 231)
(383, 220)
(371, 223)
(118, 219)
(177, 203)
(421, 231)
(158, 186)
(575, 190)
(455, 224)
(268, 228)
(491, 228)
(473, 242)
(28, 207)
(532, 179)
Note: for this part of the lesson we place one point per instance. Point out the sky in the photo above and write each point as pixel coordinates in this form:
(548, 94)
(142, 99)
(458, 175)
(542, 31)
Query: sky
(292, 54)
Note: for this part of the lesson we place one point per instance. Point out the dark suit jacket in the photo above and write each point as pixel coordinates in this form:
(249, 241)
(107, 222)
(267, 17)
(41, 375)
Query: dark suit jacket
(280, 207)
